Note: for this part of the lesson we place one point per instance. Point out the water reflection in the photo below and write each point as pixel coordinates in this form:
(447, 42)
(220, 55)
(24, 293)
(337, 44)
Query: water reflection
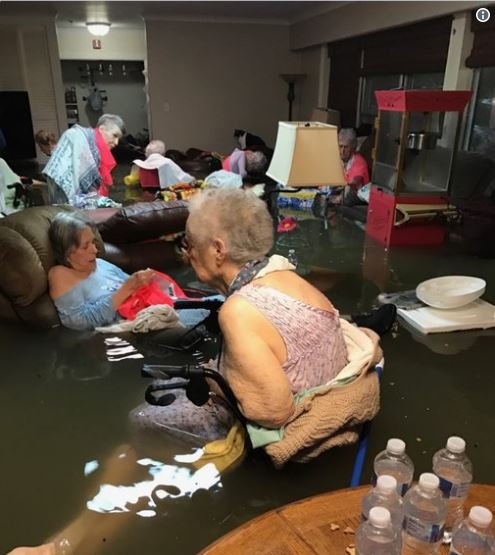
(167, 481)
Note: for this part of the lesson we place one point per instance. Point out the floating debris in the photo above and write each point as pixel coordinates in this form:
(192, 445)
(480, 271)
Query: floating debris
(349, 530)
(334, 526)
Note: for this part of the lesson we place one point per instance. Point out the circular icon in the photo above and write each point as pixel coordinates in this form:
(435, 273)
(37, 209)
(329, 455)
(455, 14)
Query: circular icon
(483, 15)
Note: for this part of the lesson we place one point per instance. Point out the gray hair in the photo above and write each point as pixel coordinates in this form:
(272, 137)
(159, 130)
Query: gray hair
(348, 136)
(255, 162)
(111, 122)
(65, 233)
(155, 147)
(239, 217)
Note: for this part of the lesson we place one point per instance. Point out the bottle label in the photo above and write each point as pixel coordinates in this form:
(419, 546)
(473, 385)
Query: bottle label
(425, 532)
(401, 488)
(451, 490)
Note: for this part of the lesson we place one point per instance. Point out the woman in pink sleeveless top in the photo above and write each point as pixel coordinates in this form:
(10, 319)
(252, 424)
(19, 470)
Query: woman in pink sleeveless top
(281, 335)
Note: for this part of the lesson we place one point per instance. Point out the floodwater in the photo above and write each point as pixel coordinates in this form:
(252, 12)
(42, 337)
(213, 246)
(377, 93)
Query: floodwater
(68, 459)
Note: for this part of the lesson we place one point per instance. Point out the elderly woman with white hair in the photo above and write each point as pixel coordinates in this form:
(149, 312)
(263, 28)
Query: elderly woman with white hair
(157, 171)
(281, 335)
(82, 161)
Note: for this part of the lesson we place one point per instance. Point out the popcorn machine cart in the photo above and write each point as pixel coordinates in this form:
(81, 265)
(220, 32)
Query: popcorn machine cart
(416, 142)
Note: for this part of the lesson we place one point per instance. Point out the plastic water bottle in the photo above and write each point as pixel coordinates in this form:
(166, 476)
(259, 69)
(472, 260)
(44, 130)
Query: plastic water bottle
(292, 258)
(473, 536)
(455, 471)
(395, 462)
(376, 535)
(385, 495)
(425, 510)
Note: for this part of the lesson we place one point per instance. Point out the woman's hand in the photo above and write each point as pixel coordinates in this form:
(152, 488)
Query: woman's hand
(133, 282)
(140, 278)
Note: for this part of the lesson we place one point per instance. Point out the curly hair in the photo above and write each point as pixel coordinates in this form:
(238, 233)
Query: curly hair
(238, 216)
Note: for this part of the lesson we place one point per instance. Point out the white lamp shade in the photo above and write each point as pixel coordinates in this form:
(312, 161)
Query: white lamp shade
(307, 155)
(98, 29)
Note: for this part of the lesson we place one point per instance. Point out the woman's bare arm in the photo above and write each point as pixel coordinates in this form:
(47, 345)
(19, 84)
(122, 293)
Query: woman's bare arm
(251, 367)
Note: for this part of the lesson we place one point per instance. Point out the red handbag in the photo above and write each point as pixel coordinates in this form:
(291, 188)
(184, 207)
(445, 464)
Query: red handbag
(162, 290)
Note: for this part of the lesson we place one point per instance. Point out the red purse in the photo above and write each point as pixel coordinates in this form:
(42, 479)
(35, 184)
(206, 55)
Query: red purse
(162, 290)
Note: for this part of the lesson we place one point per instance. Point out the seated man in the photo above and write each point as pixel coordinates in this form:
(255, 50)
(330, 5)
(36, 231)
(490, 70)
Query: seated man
(82, 161)
(157, 171)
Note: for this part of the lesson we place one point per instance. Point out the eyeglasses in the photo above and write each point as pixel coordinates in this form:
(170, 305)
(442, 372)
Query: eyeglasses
(185, 245)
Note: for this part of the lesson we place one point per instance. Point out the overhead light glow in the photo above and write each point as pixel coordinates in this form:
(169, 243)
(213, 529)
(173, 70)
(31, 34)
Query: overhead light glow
(98, 29)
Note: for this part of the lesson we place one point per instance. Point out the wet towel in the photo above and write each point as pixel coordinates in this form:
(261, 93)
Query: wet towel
(74, 164)
(156, 317)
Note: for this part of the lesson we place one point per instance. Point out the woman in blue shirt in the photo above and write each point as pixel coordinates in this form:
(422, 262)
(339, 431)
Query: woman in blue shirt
(87, 291)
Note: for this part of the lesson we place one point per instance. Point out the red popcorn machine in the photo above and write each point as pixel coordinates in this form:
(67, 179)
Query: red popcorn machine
(416, 143)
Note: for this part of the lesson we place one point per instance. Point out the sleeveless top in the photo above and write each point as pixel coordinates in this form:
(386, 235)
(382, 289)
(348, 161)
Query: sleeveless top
(316, 351)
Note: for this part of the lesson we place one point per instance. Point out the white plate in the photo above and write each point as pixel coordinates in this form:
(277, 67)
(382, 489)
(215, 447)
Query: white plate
(450, 291)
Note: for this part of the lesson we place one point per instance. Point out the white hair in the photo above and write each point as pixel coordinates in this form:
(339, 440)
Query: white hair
(255, 162)
(239, 217)
(111, 122)
(155, 147)
(348, 136)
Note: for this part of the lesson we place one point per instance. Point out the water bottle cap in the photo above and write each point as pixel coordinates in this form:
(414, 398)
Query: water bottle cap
(396, 446)
(480, 516)
(386, 483)
(379, 516)
(427, 480)
(456, 444)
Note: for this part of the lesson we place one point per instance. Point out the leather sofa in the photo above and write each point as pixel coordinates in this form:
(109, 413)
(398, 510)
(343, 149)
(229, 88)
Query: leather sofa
(131, 237)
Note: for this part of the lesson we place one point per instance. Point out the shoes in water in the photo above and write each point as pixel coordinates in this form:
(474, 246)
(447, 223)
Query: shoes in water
(379, 320)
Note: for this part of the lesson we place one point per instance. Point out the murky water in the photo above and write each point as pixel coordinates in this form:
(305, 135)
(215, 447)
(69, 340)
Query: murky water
(67, 456)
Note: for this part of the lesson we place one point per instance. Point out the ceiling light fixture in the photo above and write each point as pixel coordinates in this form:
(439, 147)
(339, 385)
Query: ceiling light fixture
(98, 29)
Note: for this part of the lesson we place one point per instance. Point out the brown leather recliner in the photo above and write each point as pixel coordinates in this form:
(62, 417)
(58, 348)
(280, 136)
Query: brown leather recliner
(130, 237)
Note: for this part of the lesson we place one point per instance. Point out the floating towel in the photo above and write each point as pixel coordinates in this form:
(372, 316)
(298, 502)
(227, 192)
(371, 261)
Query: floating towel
(157, 317)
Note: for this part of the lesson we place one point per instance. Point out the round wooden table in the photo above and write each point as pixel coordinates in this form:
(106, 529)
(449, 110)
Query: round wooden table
(323, 524)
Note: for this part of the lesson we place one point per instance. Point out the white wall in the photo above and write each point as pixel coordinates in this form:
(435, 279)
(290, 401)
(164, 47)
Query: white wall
(29, 62)
(205, 79)
(126, 43)
(125, 93)
(359, 18)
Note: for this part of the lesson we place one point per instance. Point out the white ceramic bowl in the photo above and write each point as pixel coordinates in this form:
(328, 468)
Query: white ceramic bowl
(450, 291)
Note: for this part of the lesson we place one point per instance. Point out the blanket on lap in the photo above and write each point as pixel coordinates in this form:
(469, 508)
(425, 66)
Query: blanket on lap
(330, 415)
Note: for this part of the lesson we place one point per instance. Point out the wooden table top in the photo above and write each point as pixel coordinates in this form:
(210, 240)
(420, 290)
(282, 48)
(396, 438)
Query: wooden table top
(310, 526)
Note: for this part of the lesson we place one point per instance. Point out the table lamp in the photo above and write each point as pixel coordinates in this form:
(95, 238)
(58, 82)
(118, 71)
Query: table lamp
(307, 155)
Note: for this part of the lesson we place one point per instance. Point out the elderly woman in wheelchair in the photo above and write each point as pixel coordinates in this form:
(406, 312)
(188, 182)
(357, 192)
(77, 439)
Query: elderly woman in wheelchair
(286, 355)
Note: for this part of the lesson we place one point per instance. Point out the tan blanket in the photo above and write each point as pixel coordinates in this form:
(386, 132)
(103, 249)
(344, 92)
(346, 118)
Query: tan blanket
(331, 416)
